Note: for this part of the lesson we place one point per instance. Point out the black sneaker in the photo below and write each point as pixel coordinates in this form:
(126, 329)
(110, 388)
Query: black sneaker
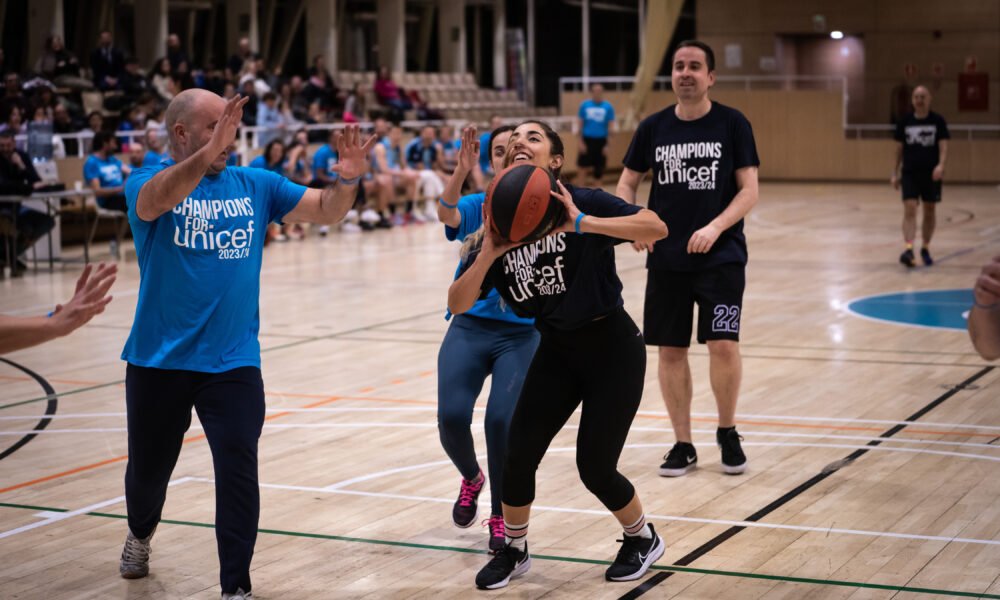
(925, 255)
(907, 258)
(466, 508)
(635, 557)
(681, 459)
(734, 461)
(505, 564)
(384, 223)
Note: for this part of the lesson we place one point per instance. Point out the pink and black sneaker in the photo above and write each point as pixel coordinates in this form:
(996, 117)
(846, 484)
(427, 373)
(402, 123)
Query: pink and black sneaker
(466, 508)
(498, 535)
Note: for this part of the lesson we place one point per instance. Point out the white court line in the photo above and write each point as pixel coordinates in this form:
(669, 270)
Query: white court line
(56, 517)
(478, 426)
(648, 413)
(604, 513)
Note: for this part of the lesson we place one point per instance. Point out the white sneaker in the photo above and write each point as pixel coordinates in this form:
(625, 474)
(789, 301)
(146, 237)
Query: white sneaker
(369, 215)
(323, 230)
(352, 215)
(348, 227)
(238, 595)
(418, 217)
(430, 211)
(134, 563)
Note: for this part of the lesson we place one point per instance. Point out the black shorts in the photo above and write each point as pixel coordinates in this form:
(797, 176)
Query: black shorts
(920, 185)
(670, 300)
(594, 154)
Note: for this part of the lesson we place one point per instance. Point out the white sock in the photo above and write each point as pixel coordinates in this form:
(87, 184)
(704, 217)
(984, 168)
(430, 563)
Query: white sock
(639, 529)
(517, 535)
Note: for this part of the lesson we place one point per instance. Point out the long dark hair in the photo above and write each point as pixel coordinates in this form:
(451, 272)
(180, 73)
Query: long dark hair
(554, 140)
(267, 151)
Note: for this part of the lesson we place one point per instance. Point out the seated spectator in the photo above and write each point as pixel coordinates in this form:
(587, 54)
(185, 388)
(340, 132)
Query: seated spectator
(449, 146)
(19, 178)
(13, 96)
(276, 159)
(250, 108)
(234, 66)
(229, 91)
(394, 176)
(297, 166)
(14, 123)
(95, 123)
(253, 74)
(155, 148)
(388, 94)
(63, 122)
(105, 174)
(107, 63)
(182, 76)
(57, 63)
(40, 118)
(135, 120)
(44, 97)
(175, 53)
(321, 88)
(354, 105)
(133, 83)
(136, 154)
(162, 81)
(424, 156)
(269, 116)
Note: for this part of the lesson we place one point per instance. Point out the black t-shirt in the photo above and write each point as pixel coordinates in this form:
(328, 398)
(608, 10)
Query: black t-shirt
(564, 280)
(920, 139)
(694, 167)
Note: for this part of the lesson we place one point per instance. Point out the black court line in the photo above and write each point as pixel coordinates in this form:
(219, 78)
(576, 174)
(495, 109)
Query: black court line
(50, 409)
(827, 471)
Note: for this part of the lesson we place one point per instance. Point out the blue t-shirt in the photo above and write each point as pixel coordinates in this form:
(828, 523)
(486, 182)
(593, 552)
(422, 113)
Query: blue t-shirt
(471, 209)
(484, 153)
(199, 267)
(109, 171)
(419, 156)
(392, 158)
(323, 161)
(596, 118)
(261, 163)
(152, 159)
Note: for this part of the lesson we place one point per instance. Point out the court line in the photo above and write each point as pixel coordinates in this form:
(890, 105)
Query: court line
(674, 568)
(826, 472)
(50, 409)
(116, 459)
(604, 513)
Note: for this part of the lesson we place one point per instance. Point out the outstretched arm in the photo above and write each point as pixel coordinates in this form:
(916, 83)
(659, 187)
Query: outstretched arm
(330, 204)
(89, 300)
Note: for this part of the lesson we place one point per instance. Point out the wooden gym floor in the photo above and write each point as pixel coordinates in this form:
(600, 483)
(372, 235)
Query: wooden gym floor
(356, 490)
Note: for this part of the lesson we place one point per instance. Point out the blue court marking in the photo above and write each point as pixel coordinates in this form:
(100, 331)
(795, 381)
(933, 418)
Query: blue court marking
(936, 309)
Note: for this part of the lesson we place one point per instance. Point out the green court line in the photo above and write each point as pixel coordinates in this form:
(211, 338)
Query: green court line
(63, 394)
(569, 559)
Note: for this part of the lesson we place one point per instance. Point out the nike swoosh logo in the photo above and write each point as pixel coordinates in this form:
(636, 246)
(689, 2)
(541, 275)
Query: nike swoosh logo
(691, 459)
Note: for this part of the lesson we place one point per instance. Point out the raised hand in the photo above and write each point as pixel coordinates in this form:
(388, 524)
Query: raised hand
(572, 212)
(468, 154)
(987, 288)
(228, 124)
(89, 299)
(353, 155)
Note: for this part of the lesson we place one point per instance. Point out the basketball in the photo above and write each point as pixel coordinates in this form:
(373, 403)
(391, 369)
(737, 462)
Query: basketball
(520, 203)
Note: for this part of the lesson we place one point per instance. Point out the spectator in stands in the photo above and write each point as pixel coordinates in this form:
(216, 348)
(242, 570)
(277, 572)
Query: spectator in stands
(15, 122)
(354, 105)
(63, 122)
(132, 82)
(162, 81)
(275, 159)
(19, 178)
(183, 76)
(235, 64)
(388, 94)
(229, 90)
(253, 72)
(58, 64)
(321, 90)
(269, 116)
(250, 109)
(136, 154)
(175, 53)
(423, 155)
(13, 95)
(105, 174)
(448, 144)
(394, 176)
(45, 98)
(107, 63)
(213, 79)
(155, 151)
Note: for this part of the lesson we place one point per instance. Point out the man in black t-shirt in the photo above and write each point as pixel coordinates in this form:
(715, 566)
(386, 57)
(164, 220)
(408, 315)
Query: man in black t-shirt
(921, 150)
(704, 163)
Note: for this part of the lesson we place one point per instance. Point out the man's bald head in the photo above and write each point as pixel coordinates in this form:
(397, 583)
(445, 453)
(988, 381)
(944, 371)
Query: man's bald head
(190, 119)
(921, 99)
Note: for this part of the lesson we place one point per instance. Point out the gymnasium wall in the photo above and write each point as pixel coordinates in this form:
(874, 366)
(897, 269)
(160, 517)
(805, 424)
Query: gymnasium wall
(893, 33)
(800, 136)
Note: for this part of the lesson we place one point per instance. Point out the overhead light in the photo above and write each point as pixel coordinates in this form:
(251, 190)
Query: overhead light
(837, 35)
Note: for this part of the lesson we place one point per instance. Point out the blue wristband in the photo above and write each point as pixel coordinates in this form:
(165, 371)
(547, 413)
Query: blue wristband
(579, 218)
(351, 181)
(446, 205)
(52, 312)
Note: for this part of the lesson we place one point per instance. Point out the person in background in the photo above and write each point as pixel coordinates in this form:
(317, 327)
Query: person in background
(19, 178)
(595, 120)
(270, 117)
(105, 174)
(107, 63)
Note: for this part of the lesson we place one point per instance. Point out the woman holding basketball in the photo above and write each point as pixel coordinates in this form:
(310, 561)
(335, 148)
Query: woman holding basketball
(488, 339)
(591, 353)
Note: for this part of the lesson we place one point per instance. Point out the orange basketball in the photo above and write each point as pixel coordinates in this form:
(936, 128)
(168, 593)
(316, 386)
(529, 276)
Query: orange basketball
(520, 204)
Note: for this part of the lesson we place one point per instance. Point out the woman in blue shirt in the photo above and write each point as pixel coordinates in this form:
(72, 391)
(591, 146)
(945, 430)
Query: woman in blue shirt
(488, 340)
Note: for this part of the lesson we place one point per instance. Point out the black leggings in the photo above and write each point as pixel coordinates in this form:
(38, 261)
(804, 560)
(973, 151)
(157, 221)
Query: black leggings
(602, 365)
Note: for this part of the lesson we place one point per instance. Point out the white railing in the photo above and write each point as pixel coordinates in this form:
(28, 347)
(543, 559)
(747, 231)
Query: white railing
(248, 139)
(968, 132)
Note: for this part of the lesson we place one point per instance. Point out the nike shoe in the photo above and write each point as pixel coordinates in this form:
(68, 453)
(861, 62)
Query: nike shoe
(635, 557)
(681, 459)
(505, 565)
(734, 461)
(925, 255)
(907, 258)
(498, 536)
(466, 508)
